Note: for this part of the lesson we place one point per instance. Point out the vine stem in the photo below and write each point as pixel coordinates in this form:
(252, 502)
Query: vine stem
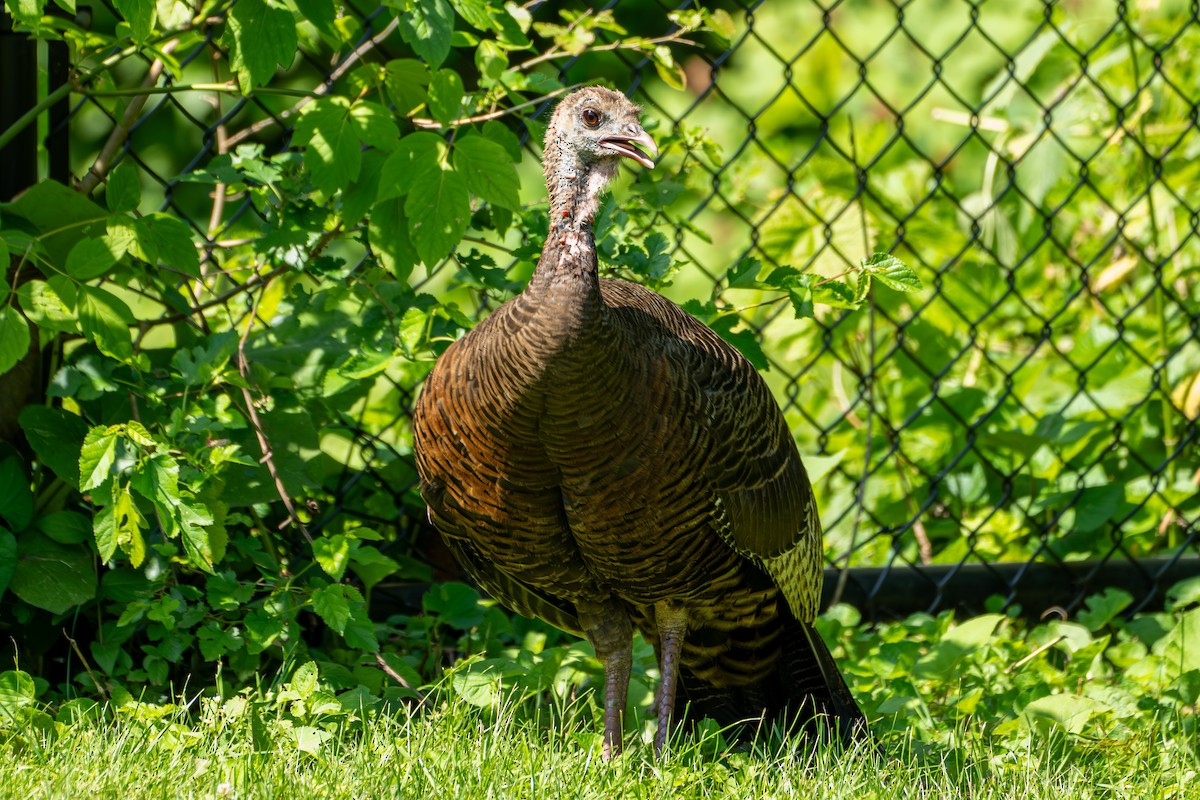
(120, 132)
(429, 124)
(26, 119)
(264, 444)
(552, 54)
(355, 55)
(227, 86)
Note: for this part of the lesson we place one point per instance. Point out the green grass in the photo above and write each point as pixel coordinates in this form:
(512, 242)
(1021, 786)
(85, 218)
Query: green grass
(1100, 706)
(453, 752)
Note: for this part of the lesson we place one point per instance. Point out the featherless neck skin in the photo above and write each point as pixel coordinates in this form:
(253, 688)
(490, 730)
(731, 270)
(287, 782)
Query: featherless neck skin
(575, 186)
(591, 131)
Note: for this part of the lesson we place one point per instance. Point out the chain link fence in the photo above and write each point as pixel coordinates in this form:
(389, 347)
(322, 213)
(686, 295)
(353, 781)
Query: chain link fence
(1022, 427)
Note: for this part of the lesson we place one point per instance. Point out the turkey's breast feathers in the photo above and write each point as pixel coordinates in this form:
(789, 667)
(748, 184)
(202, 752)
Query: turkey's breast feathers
(625, 452)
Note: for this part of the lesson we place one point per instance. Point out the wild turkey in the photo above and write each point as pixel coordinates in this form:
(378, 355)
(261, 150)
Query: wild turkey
(598, 458)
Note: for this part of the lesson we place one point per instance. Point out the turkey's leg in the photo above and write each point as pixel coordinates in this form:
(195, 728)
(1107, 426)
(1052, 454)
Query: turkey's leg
(672, 626)
(609, 630)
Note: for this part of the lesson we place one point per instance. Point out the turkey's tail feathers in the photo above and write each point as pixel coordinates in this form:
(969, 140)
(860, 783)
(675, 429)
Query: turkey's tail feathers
(830, 696)
(803, 689)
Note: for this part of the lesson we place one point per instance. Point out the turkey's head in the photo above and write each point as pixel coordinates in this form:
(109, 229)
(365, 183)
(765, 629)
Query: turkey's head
(591, 131)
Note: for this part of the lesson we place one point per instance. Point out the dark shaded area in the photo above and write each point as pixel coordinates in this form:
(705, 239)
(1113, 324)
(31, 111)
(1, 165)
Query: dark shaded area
(1035, 589)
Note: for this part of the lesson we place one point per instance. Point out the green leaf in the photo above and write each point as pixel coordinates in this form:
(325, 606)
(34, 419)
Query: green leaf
(194, 520)
(744, 274)
(371, 566)
(1067, 711)
(427, 27)
(1183, 594)
(833, 293)
(225, 592)
(491, 60)
(106, 655)
(495, 131)
(438, 209)
(52, 576)
(140, 15)
(56, 436)
(216, 640)
(173, 242)
(360, 630)
(259, 37)
(892, 272)
(361, 195)
(376, 127)
(945, 657)
(333, 554)
(123, 190)
(818, 467)
(365, 364)
(488, 170)
(1180, 648)
(17, 691)
(104, 528)
(27, 12)
(129, 526)
(802, 301)
(1103, 608)
(456, 605)
(862, 287)
(445, 96)
(388, 232)
(14, 338)
(65, 527)
(118, 525)
(1097, 505)
(90, 258)
(262, 631)
(45, 307)
(304, 679)
(97, 456)
(333, 149)
(16, 498)
(721, 23)
(402, 81)
(321, 13)
(105, 320)
(62, 215)
(475, 12)
(416, 155)
(671, 73)
(331, 605)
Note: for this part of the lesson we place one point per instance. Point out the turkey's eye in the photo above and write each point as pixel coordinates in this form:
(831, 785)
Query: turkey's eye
(591, 117)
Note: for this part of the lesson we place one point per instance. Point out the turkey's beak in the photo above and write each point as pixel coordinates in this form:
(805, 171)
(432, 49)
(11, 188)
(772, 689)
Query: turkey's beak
(630, 147)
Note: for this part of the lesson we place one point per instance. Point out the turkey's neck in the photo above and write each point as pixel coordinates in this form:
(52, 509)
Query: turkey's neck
(568, 262)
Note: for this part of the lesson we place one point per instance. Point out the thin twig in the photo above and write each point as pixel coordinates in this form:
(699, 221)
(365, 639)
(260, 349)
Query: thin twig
(641, 44)
(251, 282)
(264, 444)
(429, 124)
(398, 678)
(1016, 665)
(228, 87)
(120, 132)
(87, 666)
(218, 207)
(322, 89)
